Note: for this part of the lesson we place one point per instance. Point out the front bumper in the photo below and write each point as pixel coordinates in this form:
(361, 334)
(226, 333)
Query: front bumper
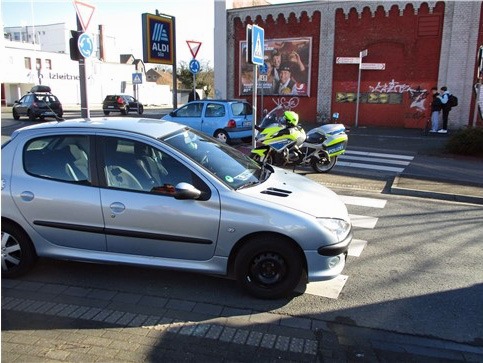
(327, 262)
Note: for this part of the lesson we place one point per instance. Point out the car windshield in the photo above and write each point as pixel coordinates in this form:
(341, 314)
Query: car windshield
(231, 166)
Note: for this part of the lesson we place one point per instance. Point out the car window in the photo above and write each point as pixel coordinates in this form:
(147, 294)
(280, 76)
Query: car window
(192, 109)
(62, 158)
(241, 109)
(231, 166)
(215, 110)
(129, 99)
(136, 166)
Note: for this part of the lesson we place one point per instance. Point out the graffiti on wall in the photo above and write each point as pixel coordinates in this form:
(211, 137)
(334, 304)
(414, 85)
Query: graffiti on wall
(417, 95)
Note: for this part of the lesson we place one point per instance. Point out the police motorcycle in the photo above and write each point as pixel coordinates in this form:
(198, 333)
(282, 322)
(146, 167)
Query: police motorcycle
(282, 141)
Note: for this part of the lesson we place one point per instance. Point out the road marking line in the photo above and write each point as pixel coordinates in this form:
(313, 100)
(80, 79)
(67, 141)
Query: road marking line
(374, 160)
(363, 201)
(369, 166)
(356, 247)
(330, 288)
(363, 221)
(382, 155)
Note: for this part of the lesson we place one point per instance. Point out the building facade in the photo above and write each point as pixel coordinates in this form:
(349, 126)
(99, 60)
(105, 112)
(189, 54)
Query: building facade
(41, 55)
(408, 47)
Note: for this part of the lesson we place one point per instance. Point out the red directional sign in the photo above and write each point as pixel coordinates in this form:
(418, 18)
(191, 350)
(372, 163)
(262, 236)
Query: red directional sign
(84, 11)
(194, 47)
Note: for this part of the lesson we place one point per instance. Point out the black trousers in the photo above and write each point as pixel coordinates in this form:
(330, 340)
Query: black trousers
(445, 117)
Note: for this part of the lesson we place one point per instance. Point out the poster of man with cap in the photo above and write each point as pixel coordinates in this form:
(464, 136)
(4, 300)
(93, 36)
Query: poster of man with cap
(286, 85)
(288, 56)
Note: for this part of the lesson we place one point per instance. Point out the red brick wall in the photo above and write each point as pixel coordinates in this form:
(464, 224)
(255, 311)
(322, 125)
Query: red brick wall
(308, 25)
(409, 45)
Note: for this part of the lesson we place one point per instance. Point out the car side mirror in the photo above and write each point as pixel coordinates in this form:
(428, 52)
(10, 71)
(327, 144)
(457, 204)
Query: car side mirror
(172, 114)
(186, 191)
(16, 101)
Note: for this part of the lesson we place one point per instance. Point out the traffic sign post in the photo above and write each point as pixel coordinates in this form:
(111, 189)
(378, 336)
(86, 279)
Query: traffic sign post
(365, 66)
(137, 79)
(194, 67)
(256, 56)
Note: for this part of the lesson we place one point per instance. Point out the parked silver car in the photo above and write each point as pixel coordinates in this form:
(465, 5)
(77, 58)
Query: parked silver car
(156, 193)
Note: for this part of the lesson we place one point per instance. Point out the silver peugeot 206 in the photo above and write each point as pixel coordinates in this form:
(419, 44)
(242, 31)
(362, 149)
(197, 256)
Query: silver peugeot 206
(155, 193)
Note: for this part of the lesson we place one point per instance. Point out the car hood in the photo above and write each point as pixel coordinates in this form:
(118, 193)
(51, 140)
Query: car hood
(297, 192)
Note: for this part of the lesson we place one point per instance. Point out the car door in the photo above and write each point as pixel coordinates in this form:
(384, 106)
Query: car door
(215, 117)
(23, 104)
(142, 217)
(53, 189)
(189, 115)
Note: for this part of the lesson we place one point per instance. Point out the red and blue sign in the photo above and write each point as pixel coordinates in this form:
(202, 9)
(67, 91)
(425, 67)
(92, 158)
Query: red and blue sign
(158, 39)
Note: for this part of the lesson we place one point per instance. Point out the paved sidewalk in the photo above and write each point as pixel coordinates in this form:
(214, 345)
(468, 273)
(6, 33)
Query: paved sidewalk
(55, 322)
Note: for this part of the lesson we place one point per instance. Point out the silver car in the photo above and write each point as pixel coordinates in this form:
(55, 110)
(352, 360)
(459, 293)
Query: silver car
(155, 193)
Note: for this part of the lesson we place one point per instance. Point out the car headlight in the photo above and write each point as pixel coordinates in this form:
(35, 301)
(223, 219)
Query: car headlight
(338, 227)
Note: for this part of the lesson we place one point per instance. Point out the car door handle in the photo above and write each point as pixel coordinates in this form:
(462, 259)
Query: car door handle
(27, 196)
(117, 208)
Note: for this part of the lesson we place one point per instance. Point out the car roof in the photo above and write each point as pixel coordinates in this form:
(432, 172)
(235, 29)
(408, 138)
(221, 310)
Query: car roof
(150, 127)
(214, 100)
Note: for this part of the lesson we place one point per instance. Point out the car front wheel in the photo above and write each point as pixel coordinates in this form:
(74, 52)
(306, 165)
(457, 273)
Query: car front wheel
(140, 109)
(15, 115)
(268, 268)
(18, 254)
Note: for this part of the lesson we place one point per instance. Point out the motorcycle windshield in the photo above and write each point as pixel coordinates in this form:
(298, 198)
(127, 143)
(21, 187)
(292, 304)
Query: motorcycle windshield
(273, 117)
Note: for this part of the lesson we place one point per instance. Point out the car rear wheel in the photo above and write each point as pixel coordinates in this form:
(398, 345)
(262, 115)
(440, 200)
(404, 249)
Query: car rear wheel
(323, 165)
(222, 135)
(268, 267)
(18, 254)
(31, 115)
(106, 113)
(15, 115)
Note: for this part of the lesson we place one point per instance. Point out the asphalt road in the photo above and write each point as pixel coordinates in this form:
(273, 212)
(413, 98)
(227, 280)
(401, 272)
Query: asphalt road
(420, 272)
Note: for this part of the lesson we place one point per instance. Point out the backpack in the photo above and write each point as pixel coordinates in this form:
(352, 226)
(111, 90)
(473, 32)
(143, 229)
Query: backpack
(452, 101)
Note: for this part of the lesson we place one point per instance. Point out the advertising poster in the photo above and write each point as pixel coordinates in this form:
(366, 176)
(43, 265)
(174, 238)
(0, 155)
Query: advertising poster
(288, 62)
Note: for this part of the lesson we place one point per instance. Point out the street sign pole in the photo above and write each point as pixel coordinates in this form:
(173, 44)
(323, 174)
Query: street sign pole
(85, 113)
(361, 55)
(254, 97)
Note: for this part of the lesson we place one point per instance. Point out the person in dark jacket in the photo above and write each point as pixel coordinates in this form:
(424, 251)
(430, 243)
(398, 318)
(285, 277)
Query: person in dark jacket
(436, 106)
(446, 107)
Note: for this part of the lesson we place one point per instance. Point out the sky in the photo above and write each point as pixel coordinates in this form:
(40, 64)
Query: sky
(194, 20)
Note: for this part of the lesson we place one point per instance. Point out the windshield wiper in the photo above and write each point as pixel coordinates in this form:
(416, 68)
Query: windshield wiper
(249, 184)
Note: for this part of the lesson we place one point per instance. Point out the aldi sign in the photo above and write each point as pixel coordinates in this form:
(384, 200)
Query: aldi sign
(158, 39)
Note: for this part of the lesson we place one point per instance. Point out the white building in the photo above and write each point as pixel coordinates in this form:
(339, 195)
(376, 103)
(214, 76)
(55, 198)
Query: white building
(41, 55)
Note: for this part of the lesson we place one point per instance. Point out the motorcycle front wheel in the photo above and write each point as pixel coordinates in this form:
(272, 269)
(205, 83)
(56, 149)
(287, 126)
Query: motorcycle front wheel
(267, 159)
(323, 165)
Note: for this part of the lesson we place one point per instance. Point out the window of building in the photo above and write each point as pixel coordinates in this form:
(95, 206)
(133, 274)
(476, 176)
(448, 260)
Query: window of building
(48, 64)
(28, 63)
(38, 63)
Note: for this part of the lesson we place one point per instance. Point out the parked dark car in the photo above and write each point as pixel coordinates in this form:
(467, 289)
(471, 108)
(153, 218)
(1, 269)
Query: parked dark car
(38, 103)
(121, 103)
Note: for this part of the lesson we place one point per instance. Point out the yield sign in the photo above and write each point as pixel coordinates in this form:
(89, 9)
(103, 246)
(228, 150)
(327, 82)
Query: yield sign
(84, 11)
(194, 47)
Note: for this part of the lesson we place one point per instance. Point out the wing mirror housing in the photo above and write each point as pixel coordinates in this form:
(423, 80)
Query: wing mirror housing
(186, 191)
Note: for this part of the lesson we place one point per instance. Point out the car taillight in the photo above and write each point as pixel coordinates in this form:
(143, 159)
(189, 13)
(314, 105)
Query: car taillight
(231, 124)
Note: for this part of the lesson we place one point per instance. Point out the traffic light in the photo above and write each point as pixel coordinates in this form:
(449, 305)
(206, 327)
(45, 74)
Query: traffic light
(74, 49)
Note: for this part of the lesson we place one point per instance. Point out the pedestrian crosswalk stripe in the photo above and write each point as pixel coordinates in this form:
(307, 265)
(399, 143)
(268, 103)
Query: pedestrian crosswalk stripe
(356, 247)
(363, 221)
(369, 166)
(381, 155)
(374, 160)
(363, 201)
(330, 288)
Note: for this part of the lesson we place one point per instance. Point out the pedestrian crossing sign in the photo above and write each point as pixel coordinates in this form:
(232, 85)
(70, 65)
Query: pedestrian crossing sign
(258, 45)
(137, 78)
